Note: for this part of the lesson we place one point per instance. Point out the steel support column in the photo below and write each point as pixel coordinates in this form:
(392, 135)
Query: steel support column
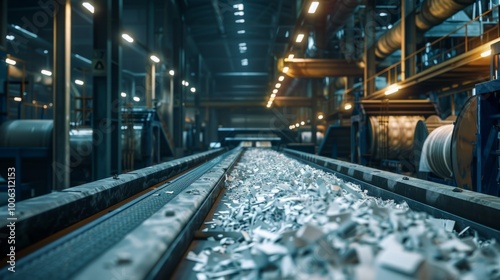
(197, 105)
(3, 25)
(369, 57)
(104, 71)
(61, 90)
(178, 89)
(116, 87)
(409, 39)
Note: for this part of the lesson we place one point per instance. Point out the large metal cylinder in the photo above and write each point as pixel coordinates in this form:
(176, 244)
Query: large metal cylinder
(392, 136)
(432, 13)
(26, 133)
(437, 151)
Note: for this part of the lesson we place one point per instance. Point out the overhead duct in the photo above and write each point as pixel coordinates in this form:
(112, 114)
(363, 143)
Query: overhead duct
(319, 68)
(430, 13)
(343, 10)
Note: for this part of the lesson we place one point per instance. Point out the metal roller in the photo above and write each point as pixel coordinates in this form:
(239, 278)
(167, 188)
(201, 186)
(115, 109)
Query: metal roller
(463, 143)
(26, 133)
(392, 136)
(437, 151)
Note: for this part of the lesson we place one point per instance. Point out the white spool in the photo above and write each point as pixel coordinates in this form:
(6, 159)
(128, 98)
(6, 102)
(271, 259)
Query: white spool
(437, 151)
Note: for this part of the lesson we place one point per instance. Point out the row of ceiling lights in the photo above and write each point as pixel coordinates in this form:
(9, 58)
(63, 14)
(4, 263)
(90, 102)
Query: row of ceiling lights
(312, 9)
(239, 13)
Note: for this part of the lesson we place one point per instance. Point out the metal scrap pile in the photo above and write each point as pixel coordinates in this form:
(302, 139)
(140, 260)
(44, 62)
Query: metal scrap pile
(298, 222)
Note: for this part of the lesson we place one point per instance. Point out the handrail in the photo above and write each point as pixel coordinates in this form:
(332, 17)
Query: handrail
(443, 53)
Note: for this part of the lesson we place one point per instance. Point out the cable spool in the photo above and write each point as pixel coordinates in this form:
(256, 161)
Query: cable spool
(422, 131)
(437, 151)
(392, 136)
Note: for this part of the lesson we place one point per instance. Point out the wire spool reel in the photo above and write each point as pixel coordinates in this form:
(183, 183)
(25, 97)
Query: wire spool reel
(463, 144)
(437, 152)
(422, 131)
(392, 136)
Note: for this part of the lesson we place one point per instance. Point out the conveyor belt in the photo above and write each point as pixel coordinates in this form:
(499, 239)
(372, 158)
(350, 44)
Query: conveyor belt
(146, 238)
(61, 259)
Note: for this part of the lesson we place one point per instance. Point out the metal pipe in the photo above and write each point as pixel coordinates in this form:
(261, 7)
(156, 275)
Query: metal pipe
(430, 13)
(343, 10)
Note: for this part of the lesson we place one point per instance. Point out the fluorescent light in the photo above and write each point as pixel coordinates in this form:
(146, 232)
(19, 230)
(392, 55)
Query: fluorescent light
(18, 99)
(10, 37)
(25, 31)
(241, 31)
(242, 44)
(88, 6)
(84, 59)
(268, 105)
(10, 61)
(383, 14)
(79, 82)
(275, 90)
(313, 7)
(46, 72)
(285, 69)
(302, 123)
(278, 85)
(193, 90)
(154, 58)
(244, 62)
(123, 94)
(171, 72)
(239, 13)
(291, 56)
(136, 99)
(389, 26)
(239, 6)
(127, 38)
(240, 20)
(45, 51)
(347, 106)
(281, 78)
(300, 37)
(391, 89)
(320, 117)
(486, 53)
(185, 83)
(273, 95)
(297, 124)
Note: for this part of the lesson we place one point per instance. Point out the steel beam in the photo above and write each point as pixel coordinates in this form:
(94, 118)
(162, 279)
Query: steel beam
(369, 53)
(61, 90)
(115, 79)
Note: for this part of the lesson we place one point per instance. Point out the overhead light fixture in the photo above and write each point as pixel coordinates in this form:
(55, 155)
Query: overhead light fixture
(302, 123)
(383, 14)
(18, 99)
(391, 89)
(84, 59)
(127, 38)
(239, 6)
(193, 90)
(285, 69)
(45, 51)
(240, 20)
(10, 37)
(241, 31)
(273, 95)
(239, 13)
(268, 105)
(281, 78)
(79, 82)
(275, 90)
(389, 26)
(242, 44)
(312, 8)
(291, 56)
(154, 58)
(123, 94)
(31, 34)
(297, 124)
(88, 6)
(136, 99)
(299, 38)
(320, 117)
(244, 62)
(46, 72)
(278, 85)
(171, 72)
(347, 106)
(486, 53)
(10, 61)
